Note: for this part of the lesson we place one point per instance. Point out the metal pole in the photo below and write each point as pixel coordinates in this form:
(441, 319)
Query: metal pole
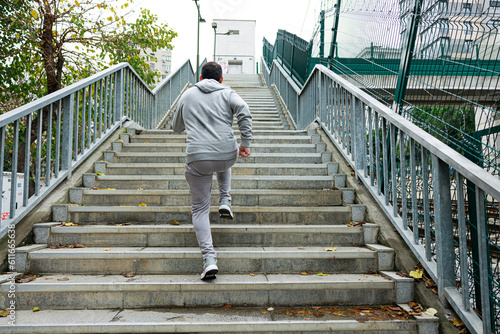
(198, 44)
(214, 25)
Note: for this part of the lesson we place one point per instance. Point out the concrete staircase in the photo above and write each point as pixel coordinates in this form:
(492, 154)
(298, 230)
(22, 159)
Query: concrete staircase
(290, 262)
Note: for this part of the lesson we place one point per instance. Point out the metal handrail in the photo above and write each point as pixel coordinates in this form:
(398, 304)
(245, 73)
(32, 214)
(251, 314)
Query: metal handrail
(384, 148)
(78, 119)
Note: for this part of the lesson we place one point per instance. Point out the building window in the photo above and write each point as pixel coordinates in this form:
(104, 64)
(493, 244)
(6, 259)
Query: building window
(152, 66)
(166, 58)
(467, 8)
(495, 4)
(468, 28)
(468, 46)
(165, 68)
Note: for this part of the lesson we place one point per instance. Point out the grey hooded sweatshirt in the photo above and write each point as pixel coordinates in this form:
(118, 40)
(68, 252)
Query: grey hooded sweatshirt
(206, 112)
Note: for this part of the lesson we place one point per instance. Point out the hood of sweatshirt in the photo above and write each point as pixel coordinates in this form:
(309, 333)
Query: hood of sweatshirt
(210, 85)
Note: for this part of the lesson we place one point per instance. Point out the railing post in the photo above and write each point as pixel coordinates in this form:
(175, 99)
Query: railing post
(67, 136)
(119, 95)
(445, 251)
(358, 131)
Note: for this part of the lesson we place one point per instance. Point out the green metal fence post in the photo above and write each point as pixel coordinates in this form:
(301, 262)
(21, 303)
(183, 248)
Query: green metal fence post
(333, 46)
(407, 55)
(322, 35)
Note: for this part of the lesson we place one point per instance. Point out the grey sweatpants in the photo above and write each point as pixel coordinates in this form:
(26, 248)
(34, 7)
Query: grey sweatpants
(199, 176)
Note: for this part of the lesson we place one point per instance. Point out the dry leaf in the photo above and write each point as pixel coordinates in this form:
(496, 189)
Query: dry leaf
(263, 312)
(79, 246)
(252, 274)
(26, 278)
(36, 309)
(5, 313)
(94, 188)
(128, 274)
(143, 204)
(305, 273)
(435, 290)
(351, 224)
(69, 224)
(431, 312)
(227, 306)
(106, 249)
(141, 189)
(119, 140)
(100, 174)
(417, 274)
(369, 272)
(457, 322)
(321, 274)
(63, 279)
(175, 222)
(330, 249)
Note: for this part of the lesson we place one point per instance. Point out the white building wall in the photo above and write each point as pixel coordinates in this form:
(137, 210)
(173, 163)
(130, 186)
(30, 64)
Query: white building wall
(236, 52)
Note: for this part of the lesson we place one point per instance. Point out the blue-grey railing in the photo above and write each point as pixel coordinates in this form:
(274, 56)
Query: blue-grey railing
(418, 181)
(70, 124)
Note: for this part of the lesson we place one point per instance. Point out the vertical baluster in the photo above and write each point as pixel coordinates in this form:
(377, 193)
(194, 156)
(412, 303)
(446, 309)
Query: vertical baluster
(38, 158)
(414, 203)
(378, 171)
(370, 141)
(13, 180)
(344, 120)
(48, 158)
(425, 200)
(97, 107)
(84, 111)
(2, 162)
(58, 139)
(484, 263)
(104, 125)
(394, 169)
(102, 87)
(110, 101)
(404, 197)
(89, 115)
(27, 154)
(462, 245)
(386, 161)
(75, 135)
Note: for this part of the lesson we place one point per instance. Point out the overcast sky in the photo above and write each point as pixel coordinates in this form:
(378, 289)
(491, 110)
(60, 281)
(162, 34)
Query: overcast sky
(296, 16)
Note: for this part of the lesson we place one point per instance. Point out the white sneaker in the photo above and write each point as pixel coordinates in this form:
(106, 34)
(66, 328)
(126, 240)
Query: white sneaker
(210, 268)
(225, 209)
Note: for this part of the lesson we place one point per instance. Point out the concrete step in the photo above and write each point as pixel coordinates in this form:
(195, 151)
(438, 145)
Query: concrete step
(179, 157)
(145, 291)
(179, 182)
(107, 168)
(240, 197)
(335, 215)
(181, 138)
(181, 147)
(254, 132)
(187, 260)
(255, 320)
(223, 235)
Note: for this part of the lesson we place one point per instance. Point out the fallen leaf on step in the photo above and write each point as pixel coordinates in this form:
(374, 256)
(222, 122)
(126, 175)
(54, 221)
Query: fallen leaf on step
(141, 189)
(431, 312)
(330, 249)
(351, 224)
(69, 224)
(321, 274)
(435, 290)
(146, 142)
(5, 313)
(270, 309)
(227, 306)
(415, 313)
(119, 140)
(106, 249)
(174, 222)
(94, 188)
(402, 274)
(457, 322)
(71, 246)
(128, 274)
(63, 279)
(417, 274)
(26, 278)
(264, 312)
(100, 174)
(369, 272)
(305, 273)
(108, 189)
(143, 204)
(49, 277)
(79, 246)
(252, 274)
(125, 206)
(36, 309)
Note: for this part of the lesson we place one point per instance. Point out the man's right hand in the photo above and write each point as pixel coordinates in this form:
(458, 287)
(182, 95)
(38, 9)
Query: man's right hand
(244, 152)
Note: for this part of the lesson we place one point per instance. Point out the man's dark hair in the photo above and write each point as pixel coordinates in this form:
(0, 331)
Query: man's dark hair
(211, 70)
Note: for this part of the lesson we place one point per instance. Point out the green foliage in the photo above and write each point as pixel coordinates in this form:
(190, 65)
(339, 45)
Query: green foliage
(48, 44)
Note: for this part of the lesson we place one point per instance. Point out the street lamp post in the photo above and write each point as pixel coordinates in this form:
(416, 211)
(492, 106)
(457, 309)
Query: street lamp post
(214, 25)
(200, 19)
